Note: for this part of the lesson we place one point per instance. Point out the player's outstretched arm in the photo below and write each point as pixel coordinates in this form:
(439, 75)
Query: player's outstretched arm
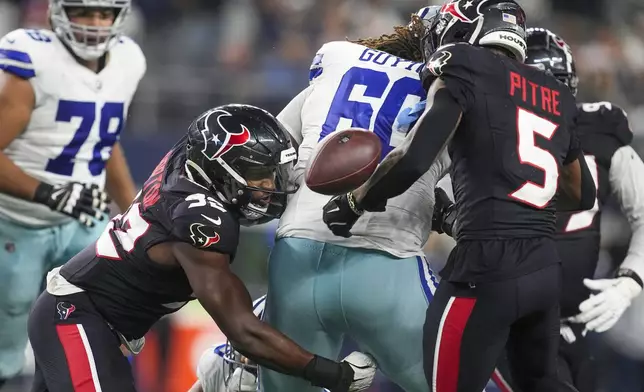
(17, 100)
(578, 191)
(413, 158)
(226, 299)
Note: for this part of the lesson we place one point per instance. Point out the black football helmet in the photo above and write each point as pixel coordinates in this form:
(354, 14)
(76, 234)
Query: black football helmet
(231, 147)
(495, 23)
(550, 53)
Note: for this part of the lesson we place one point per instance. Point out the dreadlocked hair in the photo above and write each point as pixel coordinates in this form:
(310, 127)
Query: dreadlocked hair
(404, 42)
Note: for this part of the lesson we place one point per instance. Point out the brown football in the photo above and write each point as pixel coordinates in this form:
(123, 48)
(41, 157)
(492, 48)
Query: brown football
(343, 161)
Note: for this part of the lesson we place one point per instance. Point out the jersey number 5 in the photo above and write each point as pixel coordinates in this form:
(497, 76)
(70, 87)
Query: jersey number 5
(110, 124)
(529, 124)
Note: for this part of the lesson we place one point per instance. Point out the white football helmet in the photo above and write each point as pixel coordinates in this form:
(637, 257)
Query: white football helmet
(88, 42)
(238, 371)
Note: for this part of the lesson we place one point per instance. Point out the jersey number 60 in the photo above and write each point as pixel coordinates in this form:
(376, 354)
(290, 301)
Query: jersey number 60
(364, 92)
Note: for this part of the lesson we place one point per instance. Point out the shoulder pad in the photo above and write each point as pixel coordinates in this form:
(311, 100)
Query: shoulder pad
(204, 223)
(605, 118)
(447, 59)
(331, 52)
(317, 65)
(132, 55)
(22, 50)
(452, 64)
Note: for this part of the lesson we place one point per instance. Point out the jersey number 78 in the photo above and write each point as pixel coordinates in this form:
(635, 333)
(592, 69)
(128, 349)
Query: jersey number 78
(110, 122)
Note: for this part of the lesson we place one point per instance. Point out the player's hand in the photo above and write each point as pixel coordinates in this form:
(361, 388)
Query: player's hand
(341, 213)
(444, 212)
(567, 333)
(602, 310)
(85, 203)
(364, 370)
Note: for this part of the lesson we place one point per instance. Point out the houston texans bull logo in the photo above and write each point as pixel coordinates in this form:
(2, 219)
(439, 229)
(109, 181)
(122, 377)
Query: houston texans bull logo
(223, 141)
(435, 65)
(203, 236)
(463, 10)
(65, 309)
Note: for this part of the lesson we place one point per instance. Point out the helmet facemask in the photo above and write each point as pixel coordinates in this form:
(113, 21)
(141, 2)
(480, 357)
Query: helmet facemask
(88, 42)
(549, 53)
(239, 373)
(261, 196)
(258, 191)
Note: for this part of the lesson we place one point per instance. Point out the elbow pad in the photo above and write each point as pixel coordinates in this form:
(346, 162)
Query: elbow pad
(588, 189)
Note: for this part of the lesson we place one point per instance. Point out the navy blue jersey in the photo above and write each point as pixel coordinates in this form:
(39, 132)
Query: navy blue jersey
(130, 290)
(516, 132)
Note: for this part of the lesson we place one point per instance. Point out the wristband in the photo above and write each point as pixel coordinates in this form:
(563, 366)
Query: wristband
(323, 372)
(629, 273)
(43, 191)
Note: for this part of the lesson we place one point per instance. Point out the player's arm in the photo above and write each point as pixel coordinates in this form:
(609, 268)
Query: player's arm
(119, 183)
(17, 100)
(578, 191)
(577, 187)
(413, 158)
(626, 178)
(226, 299)
(611, 297)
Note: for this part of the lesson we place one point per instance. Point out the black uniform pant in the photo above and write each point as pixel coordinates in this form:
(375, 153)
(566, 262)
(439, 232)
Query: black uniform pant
(74, 348)
(575, 367)
(468, 326)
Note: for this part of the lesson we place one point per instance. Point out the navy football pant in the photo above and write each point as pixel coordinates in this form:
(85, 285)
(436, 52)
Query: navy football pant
(468, 326)
(74, 348)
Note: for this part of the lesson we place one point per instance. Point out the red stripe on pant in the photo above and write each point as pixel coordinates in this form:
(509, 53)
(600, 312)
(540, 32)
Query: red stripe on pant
(78, 360)
(450, 336)
(500, 382)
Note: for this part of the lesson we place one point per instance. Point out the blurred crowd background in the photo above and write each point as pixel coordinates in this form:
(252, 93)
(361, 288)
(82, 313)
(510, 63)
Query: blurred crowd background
(202, 53)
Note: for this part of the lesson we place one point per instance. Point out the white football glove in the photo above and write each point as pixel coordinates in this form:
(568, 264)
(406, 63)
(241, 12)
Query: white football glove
(567, 333)
(364, 368)
(601, 311)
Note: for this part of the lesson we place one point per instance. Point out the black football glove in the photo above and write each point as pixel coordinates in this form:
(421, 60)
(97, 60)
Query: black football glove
(84, 203)
(341, 213)
(444, 213)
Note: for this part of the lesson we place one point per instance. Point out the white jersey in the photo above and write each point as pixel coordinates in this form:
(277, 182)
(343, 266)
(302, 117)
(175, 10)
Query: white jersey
(354, 86)
(77, 118)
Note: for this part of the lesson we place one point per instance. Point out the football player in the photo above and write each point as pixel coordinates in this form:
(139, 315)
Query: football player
(64, 97)
(172, 245)
(510, 134)
(373, 287)
(588, 304)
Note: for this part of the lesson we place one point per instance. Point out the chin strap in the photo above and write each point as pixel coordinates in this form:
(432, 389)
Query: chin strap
(189, 167)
